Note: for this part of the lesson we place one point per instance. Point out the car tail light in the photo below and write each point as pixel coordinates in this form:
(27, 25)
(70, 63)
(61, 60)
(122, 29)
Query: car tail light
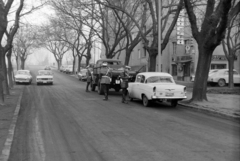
(185, 90)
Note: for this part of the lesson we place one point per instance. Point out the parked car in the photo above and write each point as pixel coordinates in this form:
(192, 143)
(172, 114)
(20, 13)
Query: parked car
(23, 76)
(44, 77)
(82, 75)
(212, 71)
(156, 86)
(62, 68)
(69, 69)
(221, 77)
(47, 68)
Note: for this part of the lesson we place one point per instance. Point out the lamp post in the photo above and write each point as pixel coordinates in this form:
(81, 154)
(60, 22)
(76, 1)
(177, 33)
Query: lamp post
(159, 36)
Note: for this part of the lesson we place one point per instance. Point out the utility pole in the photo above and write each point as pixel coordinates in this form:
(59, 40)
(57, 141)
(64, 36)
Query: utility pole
(159, 60)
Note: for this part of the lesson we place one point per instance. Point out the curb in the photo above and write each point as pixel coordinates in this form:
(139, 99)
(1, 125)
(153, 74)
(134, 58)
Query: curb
(211, 112)
(8, 143)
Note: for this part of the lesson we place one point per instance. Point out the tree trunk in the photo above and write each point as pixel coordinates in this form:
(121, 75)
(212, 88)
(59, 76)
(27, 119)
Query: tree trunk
(230, 70)
(5, 82)
(10, 69)
(127, 58)
(74, 59)
(22, 64)
(1, 76)
(79, 63)
(200, 82)
(58, 63)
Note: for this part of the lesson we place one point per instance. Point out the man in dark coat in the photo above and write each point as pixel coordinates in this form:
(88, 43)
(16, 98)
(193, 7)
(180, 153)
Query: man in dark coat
(89, 77)
(105, 80)
(124, 76)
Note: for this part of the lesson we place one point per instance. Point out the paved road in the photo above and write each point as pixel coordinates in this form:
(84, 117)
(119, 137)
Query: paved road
(64, 123)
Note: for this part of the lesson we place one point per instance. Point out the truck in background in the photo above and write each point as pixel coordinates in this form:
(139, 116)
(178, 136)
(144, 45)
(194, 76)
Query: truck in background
(116, 67)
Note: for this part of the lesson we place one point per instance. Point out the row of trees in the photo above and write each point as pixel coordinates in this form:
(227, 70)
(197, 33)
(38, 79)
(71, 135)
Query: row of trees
(11, 12)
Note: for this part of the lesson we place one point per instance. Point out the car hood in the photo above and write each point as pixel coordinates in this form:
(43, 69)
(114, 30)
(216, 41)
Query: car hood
(44, 76)
(22, 76)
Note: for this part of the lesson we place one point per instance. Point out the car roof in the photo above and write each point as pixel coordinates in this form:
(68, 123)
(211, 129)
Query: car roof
(149, 74)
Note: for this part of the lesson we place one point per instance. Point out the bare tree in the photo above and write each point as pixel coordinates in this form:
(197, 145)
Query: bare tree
(24, 42)
(170, 13)
(4, 11)
(208, 34)
(231, 43)
(50, 40)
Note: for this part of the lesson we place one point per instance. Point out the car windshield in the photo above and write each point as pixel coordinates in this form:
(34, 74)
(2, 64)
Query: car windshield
(159, 79)
(23, 72)
(44, 72)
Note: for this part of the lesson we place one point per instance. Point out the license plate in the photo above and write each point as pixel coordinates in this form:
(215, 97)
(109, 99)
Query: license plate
(117, 81)
(169, 94)
(44, 81)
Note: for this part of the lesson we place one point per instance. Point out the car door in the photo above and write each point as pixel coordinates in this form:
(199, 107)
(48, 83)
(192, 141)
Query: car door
(135, 86)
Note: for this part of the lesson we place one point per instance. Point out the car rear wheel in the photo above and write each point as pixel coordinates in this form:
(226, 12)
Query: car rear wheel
(174, 103)
(145, 100)
(222, 82)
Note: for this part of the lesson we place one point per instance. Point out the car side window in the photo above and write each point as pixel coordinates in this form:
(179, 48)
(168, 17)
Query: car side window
(138, 78)
(143, 79)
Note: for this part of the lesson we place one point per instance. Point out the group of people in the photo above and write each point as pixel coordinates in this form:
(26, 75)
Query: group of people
(106, 81)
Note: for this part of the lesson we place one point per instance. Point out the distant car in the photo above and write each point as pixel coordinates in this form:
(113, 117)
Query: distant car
(63, 68)
(156, 86)
(82, 75)
(212, 71)
(69, 69)
(23, 76)
(47, 68)
(44, 77)
(221, 77)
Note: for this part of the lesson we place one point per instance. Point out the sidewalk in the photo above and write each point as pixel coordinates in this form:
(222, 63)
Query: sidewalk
(8, 118)
(220, 102)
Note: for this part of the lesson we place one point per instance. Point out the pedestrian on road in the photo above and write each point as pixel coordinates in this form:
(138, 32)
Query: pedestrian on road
(89, 77)
(124, 76)
(105, 80)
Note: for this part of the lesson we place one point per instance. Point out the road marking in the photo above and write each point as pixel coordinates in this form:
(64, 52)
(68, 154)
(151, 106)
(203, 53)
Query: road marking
(8, 143)
(39, 145)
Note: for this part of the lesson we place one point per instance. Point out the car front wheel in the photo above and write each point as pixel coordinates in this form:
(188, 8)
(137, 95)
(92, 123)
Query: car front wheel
(145, 100)
(222, 82)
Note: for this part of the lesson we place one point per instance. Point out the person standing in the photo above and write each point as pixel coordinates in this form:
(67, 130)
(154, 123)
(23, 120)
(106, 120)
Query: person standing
(89, 77)
(124, 76)
(105, 80)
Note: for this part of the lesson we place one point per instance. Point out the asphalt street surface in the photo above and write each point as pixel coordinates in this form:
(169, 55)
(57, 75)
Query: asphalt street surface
(61, 122)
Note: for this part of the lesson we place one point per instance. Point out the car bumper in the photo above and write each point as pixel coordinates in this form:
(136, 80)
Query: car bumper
(22, 81)
(44, 81)
(167, 98)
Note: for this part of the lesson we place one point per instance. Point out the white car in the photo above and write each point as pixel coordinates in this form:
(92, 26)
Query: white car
(44, 77)
(69, 69)
(212, 71)
(221, 77)
(156, 86)
(82, 75)
(23, 76)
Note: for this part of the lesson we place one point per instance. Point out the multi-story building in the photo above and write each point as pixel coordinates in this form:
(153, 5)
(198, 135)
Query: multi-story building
(180, 57)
